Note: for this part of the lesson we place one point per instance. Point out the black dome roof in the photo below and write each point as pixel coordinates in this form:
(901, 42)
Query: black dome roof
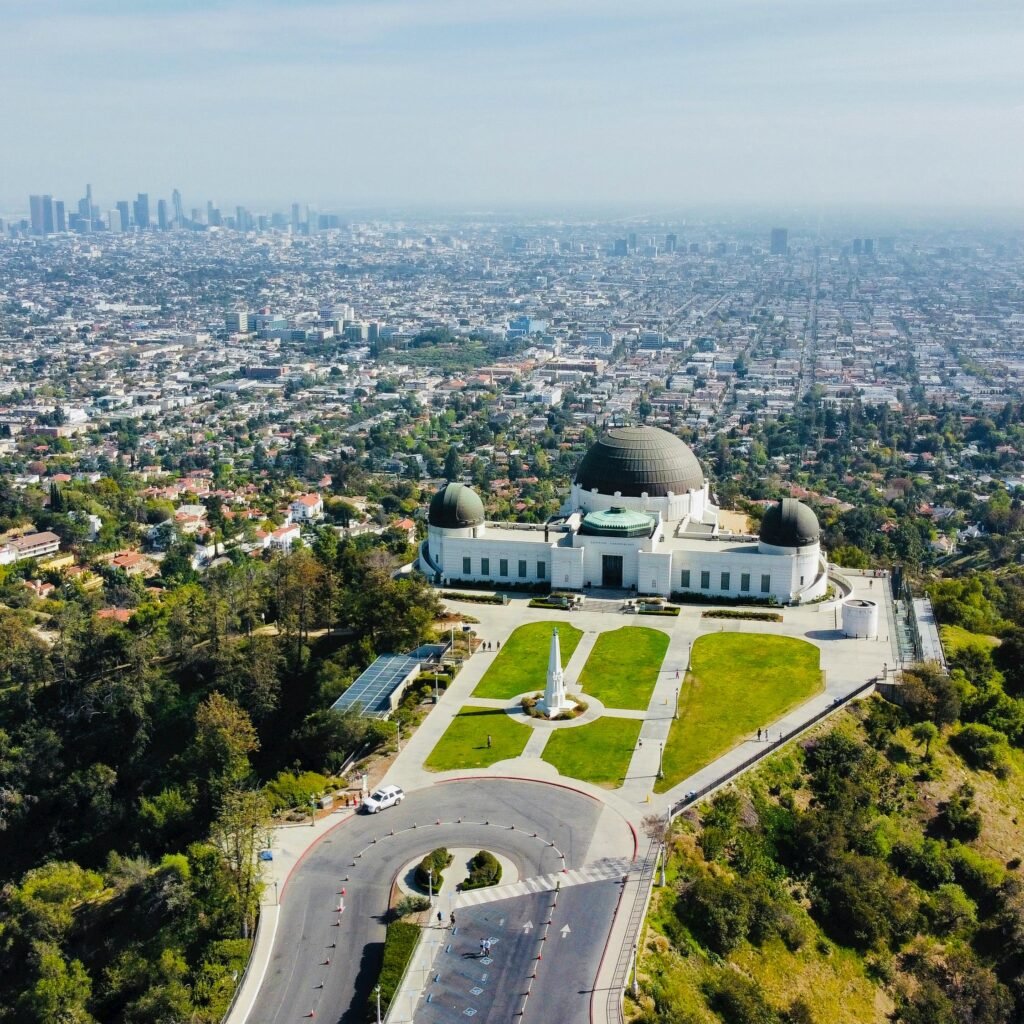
(455, 507)
(790, 524)
(639, 460)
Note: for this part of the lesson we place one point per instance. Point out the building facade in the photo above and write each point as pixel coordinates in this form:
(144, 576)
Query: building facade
(639, 517)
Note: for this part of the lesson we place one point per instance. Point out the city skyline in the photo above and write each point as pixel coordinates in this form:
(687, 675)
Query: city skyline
(450, 103)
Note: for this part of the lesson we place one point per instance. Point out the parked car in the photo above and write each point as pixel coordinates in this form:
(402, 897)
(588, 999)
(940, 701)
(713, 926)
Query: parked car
(386, 796)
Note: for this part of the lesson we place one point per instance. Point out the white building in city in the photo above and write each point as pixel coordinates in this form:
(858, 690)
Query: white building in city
(639, 517)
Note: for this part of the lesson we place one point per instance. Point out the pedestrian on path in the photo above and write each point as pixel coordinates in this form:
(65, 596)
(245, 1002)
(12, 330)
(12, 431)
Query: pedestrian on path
(440, 919)
(487, 947)
(758, 735)
(483, 947)
(451, 920)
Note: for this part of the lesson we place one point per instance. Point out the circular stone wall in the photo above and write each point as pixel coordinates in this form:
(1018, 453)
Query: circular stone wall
(860, 618)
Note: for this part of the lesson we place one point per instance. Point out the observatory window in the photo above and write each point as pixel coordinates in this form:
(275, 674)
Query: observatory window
(684, 579)
(467, 566)
(705, 579)
(503, 567)
(542, 570)
(745, 581)
(485, 567)
(725, 581)
(522, 568)
(766, 583)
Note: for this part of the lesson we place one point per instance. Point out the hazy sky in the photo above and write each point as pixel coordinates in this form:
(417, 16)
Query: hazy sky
(802, 102)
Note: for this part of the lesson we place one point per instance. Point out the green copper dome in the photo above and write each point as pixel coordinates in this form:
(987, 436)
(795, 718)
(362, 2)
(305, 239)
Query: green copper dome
(634, 461)
(455, 507)
(616, 522)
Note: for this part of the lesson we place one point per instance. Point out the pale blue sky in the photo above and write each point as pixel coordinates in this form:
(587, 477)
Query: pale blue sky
(797, 102)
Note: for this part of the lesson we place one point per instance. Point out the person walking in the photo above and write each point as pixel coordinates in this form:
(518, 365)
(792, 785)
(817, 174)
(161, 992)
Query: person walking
(451, 920)
(440, 919)
(483, 947)
(758, 735)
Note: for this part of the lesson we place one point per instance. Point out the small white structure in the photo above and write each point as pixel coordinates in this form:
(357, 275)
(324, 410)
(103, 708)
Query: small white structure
(860, 618)
(555, 701)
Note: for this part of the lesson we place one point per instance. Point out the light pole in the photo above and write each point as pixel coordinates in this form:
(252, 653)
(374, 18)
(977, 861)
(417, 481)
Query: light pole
(435, 684)
(377, 990)
(312, 813)
(661, 759)
(430, 886)
(636, 984)
(675, 706)
(277, 899)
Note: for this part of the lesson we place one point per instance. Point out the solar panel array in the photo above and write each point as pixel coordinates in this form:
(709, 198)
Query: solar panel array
(373, 689)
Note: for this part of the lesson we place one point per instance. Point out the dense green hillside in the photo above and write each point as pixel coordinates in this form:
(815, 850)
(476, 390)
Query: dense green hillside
(870, 872)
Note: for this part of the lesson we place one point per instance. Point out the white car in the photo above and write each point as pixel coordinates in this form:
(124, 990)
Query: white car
(386, 796)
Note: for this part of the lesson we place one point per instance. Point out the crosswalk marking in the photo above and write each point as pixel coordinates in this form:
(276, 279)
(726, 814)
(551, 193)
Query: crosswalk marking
(595, 871)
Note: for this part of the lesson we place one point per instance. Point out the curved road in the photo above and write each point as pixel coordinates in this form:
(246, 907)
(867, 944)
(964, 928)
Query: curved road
(328, 963)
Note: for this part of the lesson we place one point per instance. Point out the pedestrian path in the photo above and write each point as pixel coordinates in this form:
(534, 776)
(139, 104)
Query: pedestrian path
(596, 871)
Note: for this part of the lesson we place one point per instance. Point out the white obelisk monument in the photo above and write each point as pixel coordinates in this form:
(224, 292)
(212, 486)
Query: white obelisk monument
(555, 701)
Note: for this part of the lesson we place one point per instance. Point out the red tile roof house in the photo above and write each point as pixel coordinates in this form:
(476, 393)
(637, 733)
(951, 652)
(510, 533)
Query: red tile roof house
(306, 507)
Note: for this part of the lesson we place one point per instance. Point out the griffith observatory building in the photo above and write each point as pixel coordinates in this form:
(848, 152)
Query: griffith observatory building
(638, 517)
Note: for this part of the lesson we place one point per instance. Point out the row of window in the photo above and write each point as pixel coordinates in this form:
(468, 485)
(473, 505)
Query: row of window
(725, 581)
(485, 567)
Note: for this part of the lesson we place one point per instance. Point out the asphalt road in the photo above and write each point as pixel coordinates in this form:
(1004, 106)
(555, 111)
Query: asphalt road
(496, 988)
(327, 963)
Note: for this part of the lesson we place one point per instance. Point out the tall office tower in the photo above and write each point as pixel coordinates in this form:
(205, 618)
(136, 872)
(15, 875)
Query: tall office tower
(197, 215)
(35, 212)
(115, 219)
(779, 244)
(869, 247)
(179, 212)
(126, 216)
(621, 247)
(632, 241)
(85, 209)
(858, 246)
(41, 214)
(161, 214)
(242, 218)
(670, 243)
(213, 218)
(295, 217)
(59, 221)
(141, 206)
(236, 322)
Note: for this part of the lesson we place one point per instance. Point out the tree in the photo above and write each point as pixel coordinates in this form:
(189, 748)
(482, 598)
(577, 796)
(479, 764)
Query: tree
(241, 830)
(924, 733)
(452, 468)
(60, 990)
(225, 738)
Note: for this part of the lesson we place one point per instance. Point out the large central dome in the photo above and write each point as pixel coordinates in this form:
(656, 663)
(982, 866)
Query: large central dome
(634, 461)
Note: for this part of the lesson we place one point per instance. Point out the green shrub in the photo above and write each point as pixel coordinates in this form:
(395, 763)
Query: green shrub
(981, 746)
(436, 861)
(399, 946)
(291, 789)
(451, 595)
(484, 870)
(411, 904)
(659, 611)
(735, 613)
(739, 1000)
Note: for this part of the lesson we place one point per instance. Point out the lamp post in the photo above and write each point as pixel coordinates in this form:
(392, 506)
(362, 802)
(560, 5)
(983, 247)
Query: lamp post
(675, 706)
(661, 758)
(277, 899)
(430, 885)
(312, 813)
(636, 984)
(435, 684)
(377, 990)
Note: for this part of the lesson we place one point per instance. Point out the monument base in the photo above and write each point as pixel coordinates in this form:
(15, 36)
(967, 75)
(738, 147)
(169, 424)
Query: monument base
(566, 707)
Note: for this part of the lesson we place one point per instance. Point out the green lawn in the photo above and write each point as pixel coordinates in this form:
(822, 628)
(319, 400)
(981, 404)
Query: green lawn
(464, 743)
(598, 752)
(956, 638)
(623, 667)
(738, 682)
(522, 663)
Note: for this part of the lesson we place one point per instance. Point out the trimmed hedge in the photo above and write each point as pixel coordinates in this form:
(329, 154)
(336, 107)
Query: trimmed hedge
(452, 595)
(658, 611)
(399, 946)
(484, 870)
(437, 859)
(688, 597)
(732, 613)
(544, 602)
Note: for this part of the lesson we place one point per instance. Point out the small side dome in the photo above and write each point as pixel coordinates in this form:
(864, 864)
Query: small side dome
(455, 507)
(790, 524)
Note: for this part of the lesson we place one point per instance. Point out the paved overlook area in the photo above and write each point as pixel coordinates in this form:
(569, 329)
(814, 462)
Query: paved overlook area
(575, 849)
